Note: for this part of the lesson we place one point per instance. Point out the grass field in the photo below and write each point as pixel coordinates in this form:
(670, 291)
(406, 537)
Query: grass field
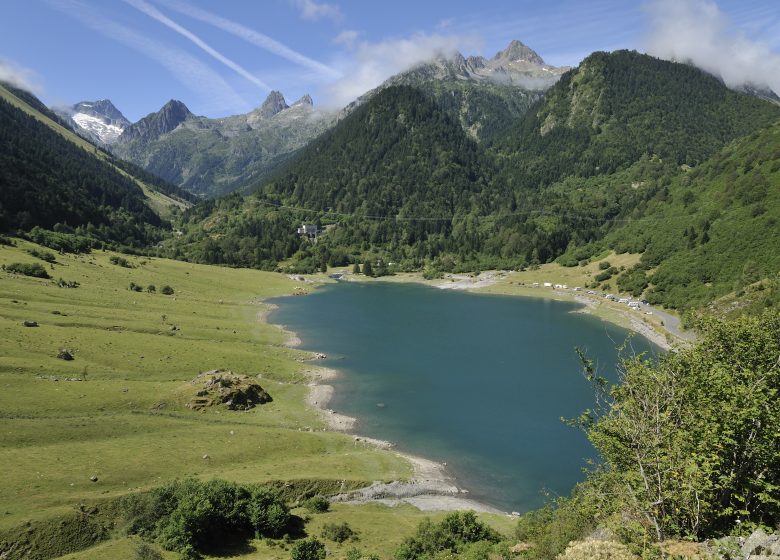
(117, 410)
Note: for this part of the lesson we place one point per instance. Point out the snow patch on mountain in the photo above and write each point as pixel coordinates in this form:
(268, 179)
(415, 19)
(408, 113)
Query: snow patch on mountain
(106, 132)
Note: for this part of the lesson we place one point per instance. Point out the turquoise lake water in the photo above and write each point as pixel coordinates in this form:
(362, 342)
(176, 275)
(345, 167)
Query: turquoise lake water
(477, 381)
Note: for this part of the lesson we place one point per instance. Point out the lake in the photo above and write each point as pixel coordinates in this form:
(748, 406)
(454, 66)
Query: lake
(478, 381)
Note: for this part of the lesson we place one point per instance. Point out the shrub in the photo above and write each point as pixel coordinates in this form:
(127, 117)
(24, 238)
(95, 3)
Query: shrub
(337, 532)
(120, 261)
(604, 265)
(151, 288)
(145, 551)
(61, 241)
(43, 255)
(317, 504)
(308, 549)
(35, 270)
(133, 287)
(166, 290)
(187, 516)
(597, 550)
(452, 534)
(67, 283)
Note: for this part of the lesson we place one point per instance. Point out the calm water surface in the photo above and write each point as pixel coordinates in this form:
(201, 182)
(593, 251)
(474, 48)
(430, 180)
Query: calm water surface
(478, 381)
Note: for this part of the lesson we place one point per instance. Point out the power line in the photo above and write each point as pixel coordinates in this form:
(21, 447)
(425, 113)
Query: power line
(526, 213)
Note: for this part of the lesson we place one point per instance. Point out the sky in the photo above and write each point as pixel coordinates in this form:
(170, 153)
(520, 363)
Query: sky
(224, 57)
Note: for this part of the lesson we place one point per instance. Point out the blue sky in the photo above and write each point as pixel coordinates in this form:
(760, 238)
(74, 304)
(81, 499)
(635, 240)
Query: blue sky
(223, 58)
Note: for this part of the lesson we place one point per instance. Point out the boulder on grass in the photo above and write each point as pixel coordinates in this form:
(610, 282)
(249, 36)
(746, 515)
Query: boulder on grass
(233, 390)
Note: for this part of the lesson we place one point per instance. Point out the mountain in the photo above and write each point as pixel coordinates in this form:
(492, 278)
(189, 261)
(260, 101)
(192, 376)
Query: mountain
(484, 95)
(393, 159)
(210, 157)
(52, 178)
(399, 179)
(516, 65)
(615, 107)
(383, 159)
(154, 125)
(98, 121)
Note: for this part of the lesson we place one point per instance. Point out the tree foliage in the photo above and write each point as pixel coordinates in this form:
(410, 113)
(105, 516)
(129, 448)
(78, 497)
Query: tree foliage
(693, 437)
(45, 180)
(452, 535)
(191, 516)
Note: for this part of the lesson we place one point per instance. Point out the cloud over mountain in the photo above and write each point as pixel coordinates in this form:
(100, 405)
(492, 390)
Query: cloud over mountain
(696, 31)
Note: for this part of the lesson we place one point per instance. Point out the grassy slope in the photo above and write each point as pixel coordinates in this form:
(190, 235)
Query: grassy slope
(126, 423)
(157, 201)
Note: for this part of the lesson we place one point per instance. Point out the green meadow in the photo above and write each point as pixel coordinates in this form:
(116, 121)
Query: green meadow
(118, 412)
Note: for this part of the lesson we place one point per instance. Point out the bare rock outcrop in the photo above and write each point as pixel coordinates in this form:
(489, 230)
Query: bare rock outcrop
(222, 387)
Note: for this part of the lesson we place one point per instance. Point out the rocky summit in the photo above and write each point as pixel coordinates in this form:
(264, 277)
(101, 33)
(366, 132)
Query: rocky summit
(99, 121)
(156, 124)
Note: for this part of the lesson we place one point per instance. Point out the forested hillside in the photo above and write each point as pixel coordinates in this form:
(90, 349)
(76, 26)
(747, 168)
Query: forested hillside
(616, 107)
(714, 229)
(48, 179)
(400, 181)
(396, 176)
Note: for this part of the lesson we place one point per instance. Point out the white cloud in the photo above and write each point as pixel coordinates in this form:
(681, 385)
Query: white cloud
(696, 31)
(372, 63)
(20, 77)
(310, 9)
(188, 70)
(347, 38)
(251, 36)
(154, 13)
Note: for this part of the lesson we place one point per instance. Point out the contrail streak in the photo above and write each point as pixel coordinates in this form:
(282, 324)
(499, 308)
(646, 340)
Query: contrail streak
(251, 36)
(154, 13)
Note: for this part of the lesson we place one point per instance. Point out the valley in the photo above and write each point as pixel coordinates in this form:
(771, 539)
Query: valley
(219, 333)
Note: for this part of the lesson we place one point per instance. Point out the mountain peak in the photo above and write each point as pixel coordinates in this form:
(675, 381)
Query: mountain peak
(97, 120)
(517, 51)
(305, 100)
(154, 125)
(176, 107)
(272, 105)
(101, 108)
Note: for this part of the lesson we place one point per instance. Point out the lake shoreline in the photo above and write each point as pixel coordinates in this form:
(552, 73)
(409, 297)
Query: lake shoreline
(430, 488)
(490, 282)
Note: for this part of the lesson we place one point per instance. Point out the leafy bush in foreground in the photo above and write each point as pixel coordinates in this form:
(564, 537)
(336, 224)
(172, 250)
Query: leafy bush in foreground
(453, 534)
(692, 438)
(189, 516)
